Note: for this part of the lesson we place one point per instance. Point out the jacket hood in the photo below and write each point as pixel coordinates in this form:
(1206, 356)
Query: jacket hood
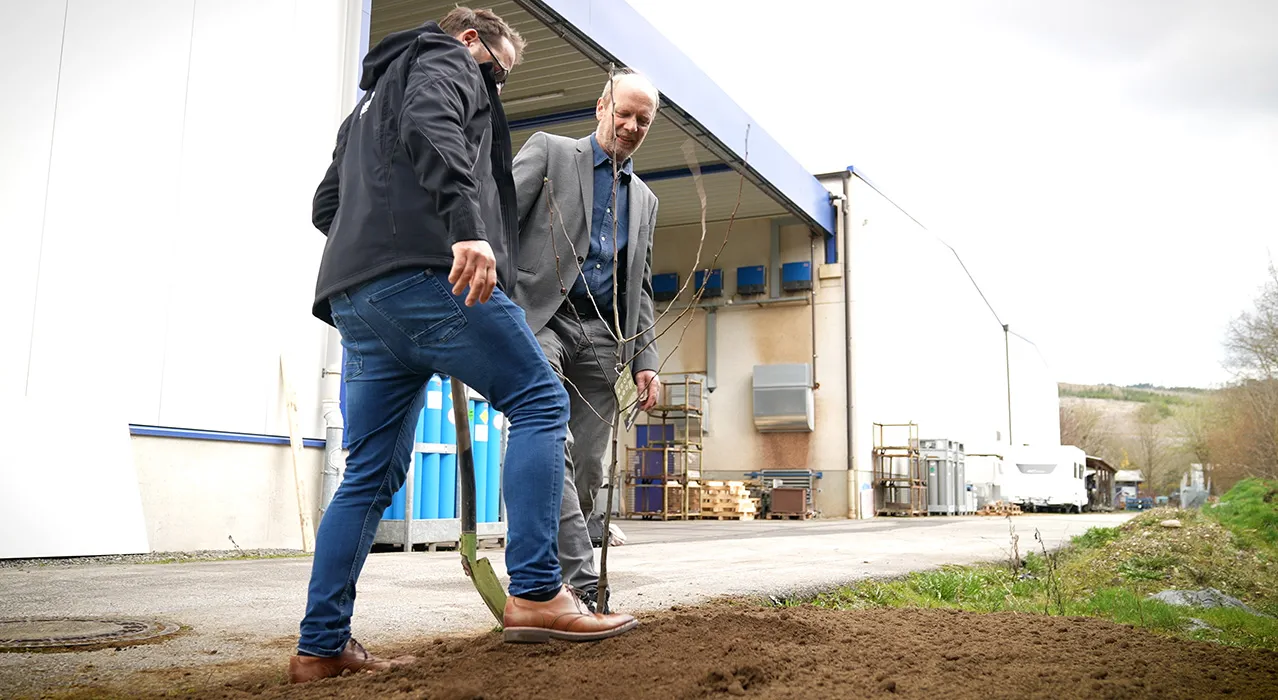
(392, 46)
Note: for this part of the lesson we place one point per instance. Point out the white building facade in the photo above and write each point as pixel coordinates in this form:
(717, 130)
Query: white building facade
(160, 159)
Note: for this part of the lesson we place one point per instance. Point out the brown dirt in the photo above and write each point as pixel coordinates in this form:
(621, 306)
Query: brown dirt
(726, 650)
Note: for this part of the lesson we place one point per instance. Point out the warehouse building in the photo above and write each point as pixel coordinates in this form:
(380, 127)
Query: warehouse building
(167, 388)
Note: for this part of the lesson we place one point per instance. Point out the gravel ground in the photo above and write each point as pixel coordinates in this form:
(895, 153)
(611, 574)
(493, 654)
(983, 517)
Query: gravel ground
(152, 558)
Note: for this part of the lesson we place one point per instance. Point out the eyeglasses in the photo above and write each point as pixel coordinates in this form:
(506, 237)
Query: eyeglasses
(500, 73)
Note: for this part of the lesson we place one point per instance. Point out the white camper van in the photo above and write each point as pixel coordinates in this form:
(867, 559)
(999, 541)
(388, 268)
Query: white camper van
(1046, 478)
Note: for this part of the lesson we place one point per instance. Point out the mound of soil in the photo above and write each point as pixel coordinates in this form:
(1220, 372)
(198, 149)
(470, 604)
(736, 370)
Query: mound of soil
(727, 651)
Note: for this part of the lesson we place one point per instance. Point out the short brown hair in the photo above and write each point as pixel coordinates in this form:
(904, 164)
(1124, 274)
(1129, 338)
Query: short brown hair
(490, 27)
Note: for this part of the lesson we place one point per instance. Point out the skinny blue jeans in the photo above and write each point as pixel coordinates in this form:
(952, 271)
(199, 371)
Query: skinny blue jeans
(398, 331)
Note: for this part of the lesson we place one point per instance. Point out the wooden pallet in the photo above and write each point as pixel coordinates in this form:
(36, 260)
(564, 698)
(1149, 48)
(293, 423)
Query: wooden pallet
(730, 513)
(999, 508)
(789, 516)
(656, 515)
(727, 500)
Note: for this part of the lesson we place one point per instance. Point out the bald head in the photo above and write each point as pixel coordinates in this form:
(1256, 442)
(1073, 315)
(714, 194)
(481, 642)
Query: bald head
(625, 110)
(634, 79)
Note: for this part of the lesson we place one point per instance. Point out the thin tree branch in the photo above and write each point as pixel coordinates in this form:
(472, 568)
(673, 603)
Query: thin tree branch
(700, 292)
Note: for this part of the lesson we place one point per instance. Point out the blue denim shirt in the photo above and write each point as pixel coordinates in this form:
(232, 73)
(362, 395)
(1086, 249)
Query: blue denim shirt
(597, 268)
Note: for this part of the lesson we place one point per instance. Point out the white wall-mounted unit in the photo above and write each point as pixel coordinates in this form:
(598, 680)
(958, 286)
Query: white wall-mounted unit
(783, 401)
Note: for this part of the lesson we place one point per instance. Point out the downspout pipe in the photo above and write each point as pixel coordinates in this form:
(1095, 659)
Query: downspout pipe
(845, 252)
(331, 406)
(774, 261)
(812, 265)
(355, 23)
(712, 349)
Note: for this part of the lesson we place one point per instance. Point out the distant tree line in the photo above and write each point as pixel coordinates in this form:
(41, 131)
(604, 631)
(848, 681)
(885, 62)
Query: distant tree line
(1232, 431)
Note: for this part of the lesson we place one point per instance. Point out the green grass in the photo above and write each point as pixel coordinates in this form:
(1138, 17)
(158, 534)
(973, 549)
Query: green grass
(1250, 512)
(1149, 558)
(1110, 572)
(1096, 537)
(1152, 568)
(1126, 607)
(1236, 627)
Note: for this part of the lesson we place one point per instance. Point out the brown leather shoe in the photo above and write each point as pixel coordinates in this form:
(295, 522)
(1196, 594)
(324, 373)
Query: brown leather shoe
(562, 617)
(353, 659)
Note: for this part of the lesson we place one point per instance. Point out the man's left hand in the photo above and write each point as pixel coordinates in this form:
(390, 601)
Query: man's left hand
(649, 387)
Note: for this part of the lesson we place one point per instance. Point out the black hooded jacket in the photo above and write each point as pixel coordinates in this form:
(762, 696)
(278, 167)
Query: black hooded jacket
(422, 162)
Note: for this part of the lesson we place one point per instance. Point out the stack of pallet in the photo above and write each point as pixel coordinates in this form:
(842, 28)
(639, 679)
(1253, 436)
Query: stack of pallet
(999, 508)
(727, 500)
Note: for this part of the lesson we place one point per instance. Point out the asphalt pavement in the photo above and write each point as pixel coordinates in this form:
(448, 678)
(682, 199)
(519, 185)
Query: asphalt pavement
(242, 609)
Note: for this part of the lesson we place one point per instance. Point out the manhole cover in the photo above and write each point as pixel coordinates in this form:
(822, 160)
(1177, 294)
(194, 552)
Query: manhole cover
(78, 633)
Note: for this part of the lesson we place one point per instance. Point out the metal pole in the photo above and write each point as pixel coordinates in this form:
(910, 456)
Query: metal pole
(844, 231)
(409, 496)
(1007, 360)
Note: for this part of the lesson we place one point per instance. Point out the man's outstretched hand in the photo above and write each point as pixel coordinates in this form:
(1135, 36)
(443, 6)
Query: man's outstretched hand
(649, 387)
(473, 266)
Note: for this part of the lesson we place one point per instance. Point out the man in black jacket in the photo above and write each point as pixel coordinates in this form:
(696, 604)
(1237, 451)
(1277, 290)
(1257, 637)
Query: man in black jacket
(418, 208)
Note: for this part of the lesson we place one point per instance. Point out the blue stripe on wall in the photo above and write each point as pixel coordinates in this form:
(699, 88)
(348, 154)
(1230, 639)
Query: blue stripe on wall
(217, 436)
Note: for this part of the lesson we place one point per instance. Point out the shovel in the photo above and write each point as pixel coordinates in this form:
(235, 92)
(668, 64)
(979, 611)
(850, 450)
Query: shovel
(480, 570)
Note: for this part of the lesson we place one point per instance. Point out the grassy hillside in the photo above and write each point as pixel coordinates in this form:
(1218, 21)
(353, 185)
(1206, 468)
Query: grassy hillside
(1139, 393)
(1151, 428)
(1111, 572)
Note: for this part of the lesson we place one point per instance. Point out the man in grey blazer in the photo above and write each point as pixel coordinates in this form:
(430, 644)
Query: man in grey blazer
(571, 229)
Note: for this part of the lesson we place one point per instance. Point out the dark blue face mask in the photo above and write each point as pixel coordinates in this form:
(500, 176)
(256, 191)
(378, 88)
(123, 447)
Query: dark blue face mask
(498, 72)
(490, 71)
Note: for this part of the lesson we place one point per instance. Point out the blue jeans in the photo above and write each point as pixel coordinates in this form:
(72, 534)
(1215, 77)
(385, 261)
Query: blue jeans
(397, 331)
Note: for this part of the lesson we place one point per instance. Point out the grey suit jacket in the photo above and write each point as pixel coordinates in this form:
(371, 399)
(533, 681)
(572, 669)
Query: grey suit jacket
(555, 165)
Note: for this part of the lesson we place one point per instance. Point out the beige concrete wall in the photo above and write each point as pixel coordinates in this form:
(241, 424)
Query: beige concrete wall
(198, 493)
(748, 335)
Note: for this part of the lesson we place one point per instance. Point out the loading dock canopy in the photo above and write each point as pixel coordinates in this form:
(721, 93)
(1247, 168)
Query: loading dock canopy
(571, 43)
(1099, 465)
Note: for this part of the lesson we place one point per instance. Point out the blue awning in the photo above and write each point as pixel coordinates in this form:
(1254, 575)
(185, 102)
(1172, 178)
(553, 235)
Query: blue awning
(611, 30)
(554, 89)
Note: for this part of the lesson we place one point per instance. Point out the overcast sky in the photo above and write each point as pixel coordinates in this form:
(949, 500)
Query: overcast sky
(1108, 169)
